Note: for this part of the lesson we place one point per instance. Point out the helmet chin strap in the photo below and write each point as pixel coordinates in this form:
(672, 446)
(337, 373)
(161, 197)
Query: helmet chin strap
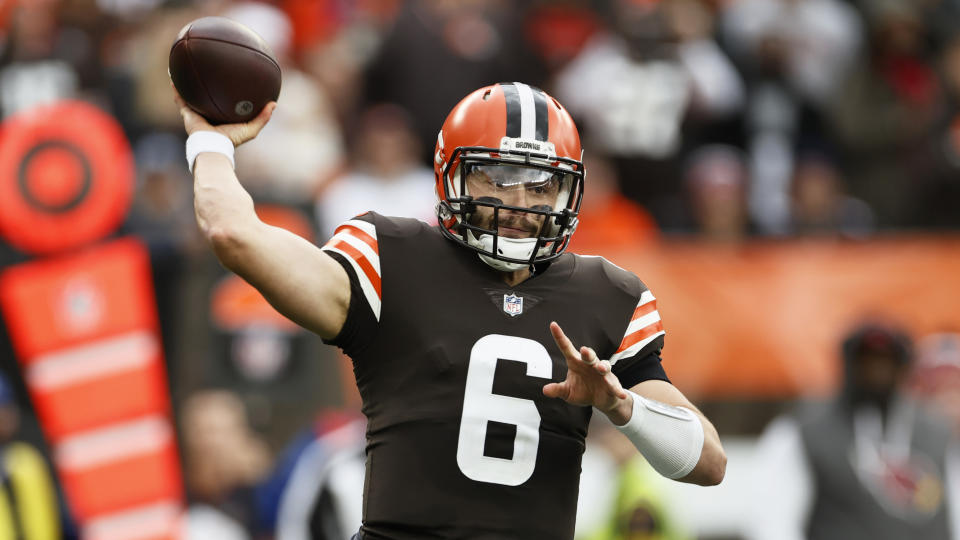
(514, 248)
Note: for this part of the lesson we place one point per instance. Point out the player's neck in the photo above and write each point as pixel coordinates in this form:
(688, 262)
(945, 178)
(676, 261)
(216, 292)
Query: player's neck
(516, 277)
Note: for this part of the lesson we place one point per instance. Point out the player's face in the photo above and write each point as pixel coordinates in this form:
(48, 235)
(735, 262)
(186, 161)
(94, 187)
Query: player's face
(512, 185)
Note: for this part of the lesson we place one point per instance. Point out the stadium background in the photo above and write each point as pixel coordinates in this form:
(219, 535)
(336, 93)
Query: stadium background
(775, 170)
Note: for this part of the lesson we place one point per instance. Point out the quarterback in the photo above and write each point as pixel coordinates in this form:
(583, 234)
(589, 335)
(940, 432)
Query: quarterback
(480, 346)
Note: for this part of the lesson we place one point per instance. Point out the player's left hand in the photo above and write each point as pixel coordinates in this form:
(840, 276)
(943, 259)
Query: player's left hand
(589, 381)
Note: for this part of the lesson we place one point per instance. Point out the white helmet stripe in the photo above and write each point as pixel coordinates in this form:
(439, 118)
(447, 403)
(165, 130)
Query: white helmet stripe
(527, 116)
(528, 112)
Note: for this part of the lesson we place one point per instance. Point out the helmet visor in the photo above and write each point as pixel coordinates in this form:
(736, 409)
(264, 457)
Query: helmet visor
(519, 186)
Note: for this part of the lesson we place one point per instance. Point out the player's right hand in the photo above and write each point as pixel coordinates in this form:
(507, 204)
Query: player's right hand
(238, 133)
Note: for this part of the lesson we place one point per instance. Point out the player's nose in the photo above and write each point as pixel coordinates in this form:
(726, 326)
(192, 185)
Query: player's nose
(516, 197)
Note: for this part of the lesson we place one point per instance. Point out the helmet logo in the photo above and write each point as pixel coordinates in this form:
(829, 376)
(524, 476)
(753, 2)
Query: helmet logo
(528, 145)
(438, 157)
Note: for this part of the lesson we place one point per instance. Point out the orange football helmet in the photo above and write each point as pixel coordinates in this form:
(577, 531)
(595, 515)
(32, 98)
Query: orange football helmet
(509, 175)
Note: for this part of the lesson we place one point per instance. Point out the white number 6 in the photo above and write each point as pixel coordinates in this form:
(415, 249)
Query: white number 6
(481, 405)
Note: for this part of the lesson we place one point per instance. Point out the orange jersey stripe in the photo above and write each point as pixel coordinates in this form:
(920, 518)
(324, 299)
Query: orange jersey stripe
(640, 335)
(644, 309)
(363, 262)
(360, 234)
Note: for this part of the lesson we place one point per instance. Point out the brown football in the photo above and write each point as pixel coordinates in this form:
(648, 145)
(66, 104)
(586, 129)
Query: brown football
(223, 70)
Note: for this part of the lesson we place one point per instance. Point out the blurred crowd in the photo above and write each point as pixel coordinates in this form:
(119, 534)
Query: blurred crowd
(720, 118)
(714, 120)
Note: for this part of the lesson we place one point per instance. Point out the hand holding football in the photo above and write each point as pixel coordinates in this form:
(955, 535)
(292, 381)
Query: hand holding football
(223, 70)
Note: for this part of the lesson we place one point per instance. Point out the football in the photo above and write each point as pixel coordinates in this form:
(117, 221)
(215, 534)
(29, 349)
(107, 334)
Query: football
(223, 70)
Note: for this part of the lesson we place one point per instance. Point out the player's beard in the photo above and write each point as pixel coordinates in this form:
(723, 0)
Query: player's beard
(519, 226)
(511, 224)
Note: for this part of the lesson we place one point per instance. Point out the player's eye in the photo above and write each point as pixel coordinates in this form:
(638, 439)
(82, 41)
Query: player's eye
(547, 187)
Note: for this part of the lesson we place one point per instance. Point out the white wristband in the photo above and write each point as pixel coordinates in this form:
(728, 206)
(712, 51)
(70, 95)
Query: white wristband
(670, 438)
(208, 141)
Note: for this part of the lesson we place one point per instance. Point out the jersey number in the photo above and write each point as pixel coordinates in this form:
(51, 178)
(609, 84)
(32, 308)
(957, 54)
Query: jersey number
(481, 405)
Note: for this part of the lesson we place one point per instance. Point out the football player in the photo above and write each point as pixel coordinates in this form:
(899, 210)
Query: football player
(480, 347)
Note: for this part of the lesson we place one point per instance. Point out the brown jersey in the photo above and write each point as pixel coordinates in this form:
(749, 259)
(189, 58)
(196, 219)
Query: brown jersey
(451, 362)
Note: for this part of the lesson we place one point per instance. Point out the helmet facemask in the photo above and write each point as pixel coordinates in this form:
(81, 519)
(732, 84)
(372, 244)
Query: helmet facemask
(515, 208)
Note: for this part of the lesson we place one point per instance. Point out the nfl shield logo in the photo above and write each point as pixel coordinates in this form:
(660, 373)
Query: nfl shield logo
(512, 304)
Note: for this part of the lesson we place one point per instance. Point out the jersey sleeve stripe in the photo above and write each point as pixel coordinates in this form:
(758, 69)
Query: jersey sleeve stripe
(368, 269)
(632, 339)
(645, 298)
(363, 247)
(637, 340)
(350, 228)
(371, 290)
(645, 325)
(364, 226)
(641, 323)
(644, 309)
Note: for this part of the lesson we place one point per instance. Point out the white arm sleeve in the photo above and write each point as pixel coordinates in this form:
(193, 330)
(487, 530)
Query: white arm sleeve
(670, 438)
(783, 484)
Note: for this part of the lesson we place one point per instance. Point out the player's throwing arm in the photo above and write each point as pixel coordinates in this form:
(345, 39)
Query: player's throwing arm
(293, 275)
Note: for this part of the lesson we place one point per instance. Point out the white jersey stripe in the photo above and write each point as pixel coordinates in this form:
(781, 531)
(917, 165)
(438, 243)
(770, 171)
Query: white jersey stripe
(528, 112)
(365, 285)
(642, 322)
(638, 324)
(364, 226)
(361, 246)
(633, 349)
(645, 297)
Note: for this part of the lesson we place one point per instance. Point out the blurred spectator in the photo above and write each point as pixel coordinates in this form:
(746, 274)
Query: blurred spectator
(162, 217)
(936, 179)
(140, 54)
(335, 41)
(302, 146)
(557, 31)
(223, 461)
(6, 11)
(323, 497)
(715, 204)
(794, 55)
(386, 174)
(440, 50)
(609, 222)
(807, 45)
(819, 205)
(29, 509)
(868, 464)
(935, 378)
(46, 58)
(319, 22)
(162, 213)
(621, 496)
(642, 88)
(886, 110)
(942, 18)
